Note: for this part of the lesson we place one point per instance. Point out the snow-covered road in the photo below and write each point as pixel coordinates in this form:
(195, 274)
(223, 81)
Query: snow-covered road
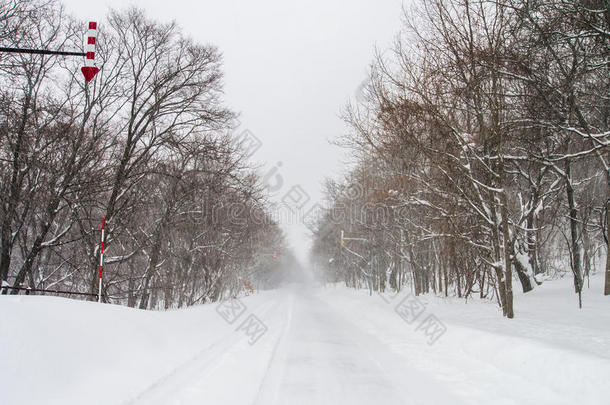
(309, 355)
(314, 345)
(320, 358)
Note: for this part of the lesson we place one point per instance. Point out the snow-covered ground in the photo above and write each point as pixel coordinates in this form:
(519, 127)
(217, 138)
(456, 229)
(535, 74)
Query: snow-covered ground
(314, 345)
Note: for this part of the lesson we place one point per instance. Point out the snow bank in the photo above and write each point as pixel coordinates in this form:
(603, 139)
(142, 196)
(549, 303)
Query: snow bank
(322, 344)
(552, 352)
(60, 351)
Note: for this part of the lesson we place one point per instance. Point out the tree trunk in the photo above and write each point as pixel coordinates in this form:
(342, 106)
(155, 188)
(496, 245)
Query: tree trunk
(532, 243)
(524, 278)
(446, 277)
(607, 283)
(131, 297)
(508, 275)
(574, 234)
(150, 271)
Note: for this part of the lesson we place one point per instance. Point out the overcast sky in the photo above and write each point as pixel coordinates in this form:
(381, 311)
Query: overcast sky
(290, 67)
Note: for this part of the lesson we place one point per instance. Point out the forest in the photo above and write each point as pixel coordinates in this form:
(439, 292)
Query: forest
(149, 145)
(481, 154)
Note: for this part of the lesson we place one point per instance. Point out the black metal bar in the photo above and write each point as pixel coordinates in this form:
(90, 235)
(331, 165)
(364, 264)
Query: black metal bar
(41, 51)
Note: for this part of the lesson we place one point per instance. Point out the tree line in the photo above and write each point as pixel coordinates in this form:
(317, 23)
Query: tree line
(149, 145)
(482, 153)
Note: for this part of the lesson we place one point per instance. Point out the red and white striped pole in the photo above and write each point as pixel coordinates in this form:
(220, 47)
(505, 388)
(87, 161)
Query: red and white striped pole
(99, 294)
(90, 70)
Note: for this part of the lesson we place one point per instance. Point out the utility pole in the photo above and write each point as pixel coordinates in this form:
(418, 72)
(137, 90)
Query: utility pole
(370, 244)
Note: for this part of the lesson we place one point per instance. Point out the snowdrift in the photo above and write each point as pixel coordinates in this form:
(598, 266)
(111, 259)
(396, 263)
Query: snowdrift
(60, 351)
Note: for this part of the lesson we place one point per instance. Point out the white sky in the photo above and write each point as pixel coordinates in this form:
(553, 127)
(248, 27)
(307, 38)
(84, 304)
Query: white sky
(289, 67)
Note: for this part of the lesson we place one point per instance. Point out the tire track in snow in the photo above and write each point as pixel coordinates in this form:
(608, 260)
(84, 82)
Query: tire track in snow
(269, 385)
(199, 366)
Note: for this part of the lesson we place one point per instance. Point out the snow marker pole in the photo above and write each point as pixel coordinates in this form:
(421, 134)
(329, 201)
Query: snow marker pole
(90, 45)
(99, 294)
(90, 70)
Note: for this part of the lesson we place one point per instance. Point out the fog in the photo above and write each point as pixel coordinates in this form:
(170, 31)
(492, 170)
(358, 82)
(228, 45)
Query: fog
(290, 67)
